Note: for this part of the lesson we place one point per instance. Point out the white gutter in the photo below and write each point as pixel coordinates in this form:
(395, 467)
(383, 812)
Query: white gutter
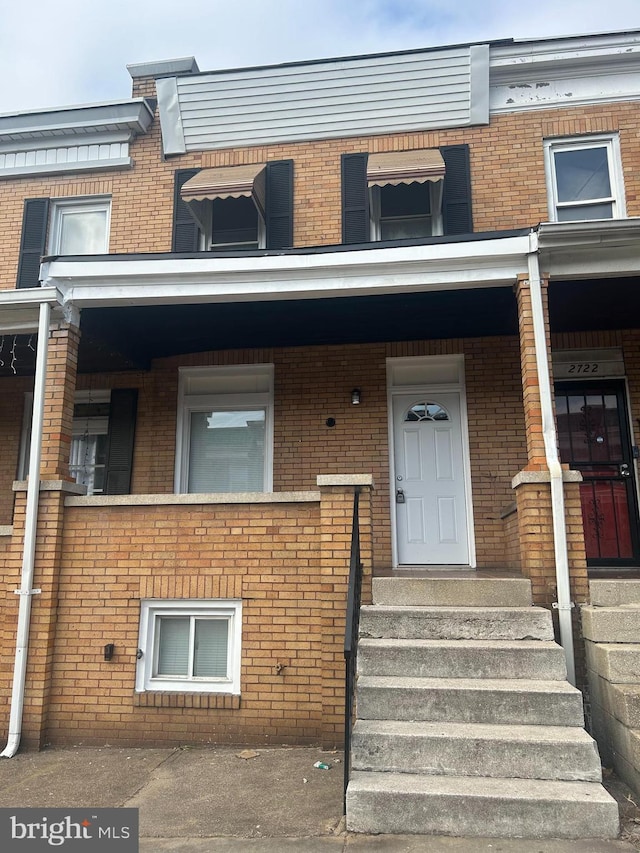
(31, 522)
(563, 604)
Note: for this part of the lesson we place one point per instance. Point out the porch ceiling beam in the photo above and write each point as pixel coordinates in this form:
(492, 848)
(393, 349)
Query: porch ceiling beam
(450, 266)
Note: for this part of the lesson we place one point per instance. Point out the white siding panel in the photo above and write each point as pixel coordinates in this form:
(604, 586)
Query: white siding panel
(369, 95)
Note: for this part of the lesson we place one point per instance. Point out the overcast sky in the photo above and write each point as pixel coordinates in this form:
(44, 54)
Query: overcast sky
(61, 52)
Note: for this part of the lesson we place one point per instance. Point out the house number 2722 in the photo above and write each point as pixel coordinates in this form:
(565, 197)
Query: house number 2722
(587, 367)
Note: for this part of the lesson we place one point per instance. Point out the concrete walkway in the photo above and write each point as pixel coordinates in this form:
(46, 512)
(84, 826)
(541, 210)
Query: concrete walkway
(209, 799)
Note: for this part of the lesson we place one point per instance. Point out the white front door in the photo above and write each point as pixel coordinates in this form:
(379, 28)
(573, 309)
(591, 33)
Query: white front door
(430, 485)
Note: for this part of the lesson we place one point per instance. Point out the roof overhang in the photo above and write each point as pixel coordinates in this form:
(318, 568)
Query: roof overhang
(20, 309)
(596, 249)
(111, 281)
(133, 115)
(75, 139)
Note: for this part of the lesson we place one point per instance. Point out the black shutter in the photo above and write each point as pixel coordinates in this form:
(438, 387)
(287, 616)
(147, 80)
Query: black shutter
(456, 193)
(279, 204)
(33, 241)
(186, 234)
(355, 199)
(122, 425)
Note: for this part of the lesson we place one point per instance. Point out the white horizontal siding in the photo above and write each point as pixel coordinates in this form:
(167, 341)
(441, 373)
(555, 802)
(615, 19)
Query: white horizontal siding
(369, 95)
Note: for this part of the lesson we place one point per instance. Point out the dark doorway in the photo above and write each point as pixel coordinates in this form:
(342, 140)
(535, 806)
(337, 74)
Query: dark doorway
(594, 436)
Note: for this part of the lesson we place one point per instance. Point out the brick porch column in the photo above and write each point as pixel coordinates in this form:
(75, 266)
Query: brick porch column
(55, 484)
(62, 367)
(336, 512)
(532, 485)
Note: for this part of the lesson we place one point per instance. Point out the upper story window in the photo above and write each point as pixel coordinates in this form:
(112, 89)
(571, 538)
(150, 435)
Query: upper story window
(584, 178)
(235, 222)
(405, 211)
(234, 207)
(79, 227)
(61, 227)
(403, 195)
(224, 439)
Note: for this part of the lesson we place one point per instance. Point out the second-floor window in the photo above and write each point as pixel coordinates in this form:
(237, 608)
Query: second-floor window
(584, 178)
(406, 195)
(231, 208)
(79, 227)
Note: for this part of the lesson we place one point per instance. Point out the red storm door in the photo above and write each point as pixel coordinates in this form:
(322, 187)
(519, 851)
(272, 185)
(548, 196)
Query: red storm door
(593, 431)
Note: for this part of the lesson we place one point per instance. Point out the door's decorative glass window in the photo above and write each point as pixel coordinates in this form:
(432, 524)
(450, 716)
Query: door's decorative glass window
(426, 412)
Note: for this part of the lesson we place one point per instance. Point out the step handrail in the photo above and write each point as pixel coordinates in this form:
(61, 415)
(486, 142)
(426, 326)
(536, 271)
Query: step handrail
(352, 625)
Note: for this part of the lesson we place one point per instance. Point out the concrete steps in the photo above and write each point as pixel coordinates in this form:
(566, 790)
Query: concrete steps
(455, 623)
(462, 659)
(480, 807)
(475, 749)
(469, 700)
(466, 724)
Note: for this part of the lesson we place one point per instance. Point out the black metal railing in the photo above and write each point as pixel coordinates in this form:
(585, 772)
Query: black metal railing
(351, 639)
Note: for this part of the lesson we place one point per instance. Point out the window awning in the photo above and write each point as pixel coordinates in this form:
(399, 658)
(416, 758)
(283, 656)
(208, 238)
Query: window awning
(227, 182)
(405, 167)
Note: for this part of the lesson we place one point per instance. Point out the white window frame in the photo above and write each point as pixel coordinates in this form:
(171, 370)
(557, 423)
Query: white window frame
(217, 383)
(229, 610)
(434, 188)
(609, 141)
(62, 207)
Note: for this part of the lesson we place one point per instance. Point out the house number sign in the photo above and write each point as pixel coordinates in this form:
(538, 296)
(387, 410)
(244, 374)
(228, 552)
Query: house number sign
(585, 364)
(577, 367)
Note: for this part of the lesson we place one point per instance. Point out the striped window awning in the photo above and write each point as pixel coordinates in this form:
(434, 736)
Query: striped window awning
(405, 167)
(227, 182)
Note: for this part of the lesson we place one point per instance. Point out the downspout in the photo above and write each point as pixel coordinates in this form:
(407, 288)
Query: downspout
(31, 522)
(563, 605)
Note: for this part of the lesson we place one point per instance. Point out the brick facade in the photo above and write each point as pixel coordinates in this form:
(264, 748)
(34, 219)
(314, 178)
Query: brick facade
(288, 562)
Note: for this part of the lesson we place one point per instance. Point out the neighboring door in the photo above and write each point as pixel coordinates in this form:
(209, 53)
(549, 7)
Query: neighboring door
(430, 486)
(593, 431)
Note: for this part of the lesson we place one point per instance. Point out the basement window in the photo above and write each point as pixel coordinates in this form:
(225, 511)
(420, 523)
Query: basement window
(188, 645)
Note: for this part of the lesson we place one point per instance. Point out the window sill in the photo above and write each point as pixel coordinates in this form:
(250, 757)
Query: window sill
(187, 499)
(160, 699)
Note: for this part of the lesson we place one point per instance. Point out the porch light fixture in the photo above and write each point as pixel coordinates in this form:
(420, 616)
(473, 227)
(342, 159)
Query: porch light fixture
(355, 397)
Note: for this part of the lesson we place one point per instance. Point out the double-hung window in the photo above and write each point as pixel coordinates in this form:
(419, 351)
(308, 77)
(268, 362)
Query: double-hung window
(584, 178)
(188, 645)
(225, 429)
(79, 226)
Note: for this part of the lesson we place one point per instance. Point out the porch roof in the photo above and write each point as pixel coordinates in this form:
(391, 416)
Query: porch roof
(360, 271)
(20, 309)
